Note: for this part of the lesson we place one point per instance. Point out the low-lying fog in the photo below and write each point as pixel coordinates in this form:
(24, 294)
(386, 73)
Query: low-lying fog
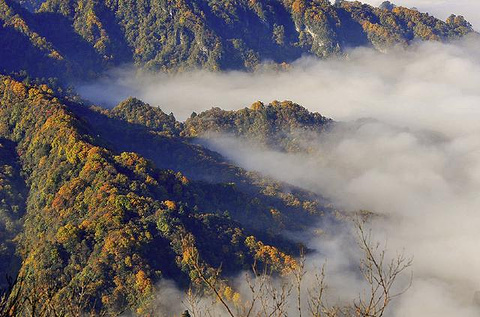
(418, 162)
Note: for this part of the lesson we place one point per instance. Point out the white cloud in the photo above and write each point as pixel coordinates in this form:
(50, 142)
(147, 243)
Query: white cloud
(397, 87)
(418, 163)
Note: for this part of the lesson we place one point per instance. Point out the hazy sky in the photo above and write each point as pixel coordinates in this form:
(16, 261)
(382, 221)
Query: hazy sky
(470, 9)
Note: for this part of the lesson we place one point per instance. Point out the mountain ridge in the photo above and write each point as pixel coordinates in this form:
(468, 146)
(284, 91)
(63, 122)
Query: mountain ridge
(108, 222)
(81, 39)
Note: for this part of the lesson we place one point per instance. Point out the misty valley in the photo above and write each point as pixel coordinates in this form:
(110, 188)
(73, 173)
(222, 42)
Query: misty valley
(239, 158)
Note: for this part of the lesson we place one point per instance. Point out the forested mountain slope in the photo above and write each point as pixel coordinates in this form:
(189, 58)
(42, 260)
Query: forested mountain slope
(12, 209)
(82, 38)
(107, 224)
(166, 142)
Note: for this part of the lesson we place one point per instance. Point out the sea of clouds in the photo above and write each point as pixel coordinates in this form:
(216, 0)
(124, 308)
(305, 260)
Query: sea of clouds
(408, 148)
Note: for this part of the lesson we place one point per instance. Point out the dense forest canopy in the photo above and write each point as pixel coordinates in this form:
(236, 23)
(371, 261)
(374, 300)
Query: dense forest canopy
(81, 39)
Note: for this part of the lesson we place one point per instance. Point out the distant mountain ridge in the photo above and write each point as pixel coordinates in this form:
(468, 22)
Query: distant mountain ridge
(283, 126)
(82, 38)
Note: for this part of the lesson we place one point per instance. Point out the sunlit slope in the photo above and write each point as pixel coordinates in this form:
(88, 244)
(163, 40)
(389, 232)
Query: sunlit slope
(110, 224)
